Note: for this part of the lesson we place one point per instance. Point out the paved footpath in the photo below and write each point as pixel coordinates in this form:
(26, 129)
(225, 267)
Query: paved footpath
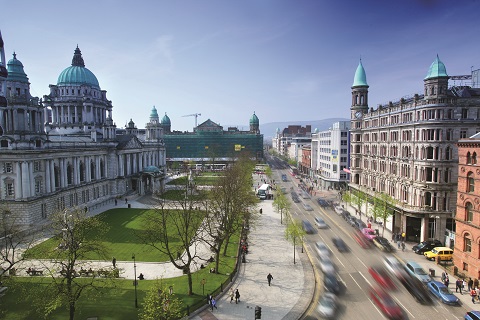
(292, 286)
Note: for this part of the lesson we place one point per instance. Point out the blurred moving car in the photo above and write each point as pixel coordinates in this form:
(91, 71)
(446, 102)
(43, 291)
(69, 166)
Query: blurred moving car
(381, 276)
(394, 266)
(416, 289)
(472, 315)
(327, 305)
(284, 177)
(331, 283)
(327, 266)
(442, 292)
(369, 233)
(386, 304)
(415, 270)
(340, 244)
(338, 209)
(359, 224)
(425, 246)
(307, 227)
(307, 207)
(322, 203)
(383, 244)
(444, 253)
(322, 250)
(320, 223)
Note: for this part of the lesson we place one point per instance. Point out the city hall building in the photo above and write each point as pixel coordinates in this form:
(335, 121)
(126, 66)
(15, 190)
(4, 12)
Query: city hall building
(407, 149)
(63, 151)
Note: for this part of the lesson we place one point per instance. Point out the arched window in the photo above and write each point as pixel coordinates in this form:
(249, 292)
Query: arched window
(469, 158)
(474, 158)
(467, 242)
(82, 172)
(102, 169)
(92, 170)
(470, 182)
(69, 174)
(468, 211)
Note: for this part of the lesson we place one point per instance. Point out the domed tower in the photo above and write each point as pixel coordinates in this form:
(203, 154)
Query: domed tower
(436, 82)
(254, 124)
(130, 128)
(359, 93)
(3, 75)
(166, 124)
(154, 130)
(76, 102)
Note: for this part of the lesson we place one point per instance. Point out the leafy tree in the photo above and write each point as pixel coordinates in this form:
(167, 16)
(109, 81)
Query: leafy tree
(268, 172)
(180, 220)
(347, 197)
(294, 233)
(358, 199)
(230, 204)
(76, 237)
(159, 304)
(383, 207)
(281, 204)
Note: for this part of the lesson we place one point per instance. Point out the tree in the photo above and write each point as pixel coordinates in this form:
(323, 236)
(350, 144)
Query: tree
(268, 172)
(294, 233)
(358, 199)
(347, 197)
(383, 207)
(230, 204)
(281, 204)
(160, 304)
(76, 237)
(172, 228)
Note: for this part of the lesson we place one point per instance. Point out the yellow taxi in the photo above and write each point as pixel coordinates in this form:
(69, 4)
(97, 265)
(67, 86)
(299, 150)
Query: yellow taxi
(444, 253)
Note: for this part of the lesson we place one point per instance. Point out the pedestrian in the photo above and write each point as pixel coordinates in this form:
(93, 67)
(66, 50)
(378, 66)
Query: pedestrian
(477, 290)
(115, 201)
(447, 280)
(269, 279)
(141, 277)
(403, 245)
(209, 299)
(126, 200)
(464, 284)
(114, 262)
(473, 294)
(470, 284)
(394, 235)
(458, 286)
(237, 296)
(398, 244)
(475, 283)
(232, 295)
(443, 276)
(404, 236)
(213, 304)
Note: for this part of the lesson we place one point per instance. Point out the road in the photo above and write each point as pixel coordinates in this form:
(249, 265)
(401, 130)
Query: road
(352, 267)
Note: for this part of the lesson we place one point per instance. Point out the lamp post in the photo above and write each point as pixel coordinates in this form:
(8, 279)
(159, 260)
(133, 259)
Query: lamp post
(135, 279)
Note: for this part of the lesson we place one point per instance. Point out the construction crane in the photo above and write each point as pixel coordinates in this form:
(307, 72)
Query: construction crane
(193, 115)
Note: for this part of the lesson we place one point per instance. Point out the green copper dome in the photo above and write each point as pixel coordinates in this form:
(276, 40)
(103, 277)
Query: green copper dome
(437, 70)
(77, 74)
(15, 70)
(254, 119)
(154, 113)
(165, 120)
(360, 76)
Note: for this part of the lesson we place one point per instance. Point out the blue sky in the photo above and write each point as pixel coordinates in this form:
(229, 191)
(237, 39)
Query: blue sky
(283, 60)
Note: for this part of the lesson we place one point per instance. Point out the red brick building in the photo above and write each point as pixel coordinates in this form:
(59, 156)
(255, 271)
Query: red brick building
(305, 163)
(466, 255)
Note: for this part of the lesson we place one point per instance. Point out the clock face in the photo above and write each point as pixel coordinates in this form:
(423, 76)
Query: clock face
(358, 114)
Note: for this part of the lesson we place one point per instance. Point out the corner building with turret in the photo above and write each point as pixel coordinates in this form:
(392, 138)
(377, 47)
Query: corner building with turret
(407, 149)
(63, 151)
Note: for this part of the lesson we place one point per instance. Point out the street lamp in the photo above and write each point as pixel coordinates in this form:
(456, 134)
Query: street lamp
(135, 279)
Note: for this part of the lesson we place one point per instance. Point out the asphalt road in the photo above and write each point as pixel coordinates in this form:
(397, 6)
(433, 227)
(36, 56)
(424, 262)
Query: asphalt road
(352, 266)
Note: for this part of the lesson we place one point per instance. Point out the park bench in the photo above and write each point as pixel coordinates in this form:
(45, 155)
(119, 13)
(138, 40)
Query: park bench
(34, 272)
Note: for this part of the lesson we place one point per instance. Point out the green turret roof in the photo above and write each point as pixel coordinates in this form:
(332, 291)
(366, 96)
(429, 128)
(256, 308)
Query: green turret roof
(165, 120)
(15, 70)
(77, 74)
(254, 119)
(437, 70)
(360, 76)
(154, 113)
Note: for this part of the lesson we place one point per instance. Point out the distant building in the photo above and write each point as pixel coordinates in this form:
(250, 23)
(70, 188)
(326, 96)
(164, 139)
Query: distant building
(210, 143)
(283, 139)
(466, 254)
(330, 156)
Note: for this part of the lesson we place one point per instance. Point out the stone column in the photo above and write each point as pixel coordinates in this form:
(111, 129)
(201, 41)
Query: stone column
(18, 181)
(25, 180)
(47, 176)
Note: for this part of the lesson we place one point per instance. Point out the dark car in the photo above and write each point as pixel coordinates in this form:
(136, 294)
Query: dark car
(383, 244)
(359, 224)
(331, 283)
(416, 289)
(425, 246)
(322, 203)
(307, 226)
(352, 221)
(340, 244)
(345, 214)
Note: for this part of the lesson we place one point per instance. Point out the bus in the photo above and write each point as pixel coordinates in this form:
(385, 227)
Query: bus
(263, 192)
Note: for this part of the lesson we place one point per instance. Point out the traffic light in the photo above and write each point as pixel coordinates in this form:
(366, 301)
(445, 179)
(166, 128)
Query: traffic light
(258, 312)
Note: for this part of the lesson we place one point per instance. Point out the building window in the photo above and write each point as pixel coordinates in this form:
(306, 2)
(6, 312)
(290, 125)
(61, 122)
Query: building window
(9, 189)
(469, 212)
(474, 158)
(8, 167)
(468, 243)
(464, 113)
(465, 266)
(469, 158)
(38, 186)
(463, 133)
(36, 166)
(470, 182)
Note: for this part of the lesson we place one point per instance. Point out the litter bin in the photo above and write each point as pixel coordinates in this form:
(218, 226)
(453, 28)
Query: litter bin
(432, 272)
(129, 206)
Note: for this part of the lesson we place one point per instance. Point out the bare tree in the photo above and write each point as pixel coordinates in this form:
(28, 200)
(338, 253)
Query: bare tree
(231, 203)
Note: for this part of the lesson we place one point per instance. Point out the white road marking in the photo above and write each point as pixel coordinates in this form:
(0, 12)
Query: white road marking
(404, 308)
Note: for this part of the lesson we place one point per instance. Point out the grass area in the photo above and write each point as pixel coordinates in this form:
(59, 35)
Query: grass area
(121, 239)
(207, 180)
(179, 195)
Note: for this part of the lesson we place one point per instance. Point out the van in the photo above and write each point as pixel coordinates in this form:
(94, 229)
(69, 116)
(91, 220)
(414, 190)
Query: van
(444, 253)
(417, 271)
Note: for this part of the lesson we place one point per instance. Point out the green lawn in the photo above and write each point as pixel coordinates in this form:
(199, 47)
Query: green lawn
(121, 239)
(207, 180)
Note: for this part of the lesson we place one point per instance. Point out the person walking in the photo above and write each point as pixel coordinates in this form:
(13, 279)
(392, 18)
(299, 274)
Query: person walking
(213, 304)
(269, 279)
(447, 280)
(477, 290)
(443, 276)
(232, 295)
(114, 262)
(237, 296)
(464, 284)
(403, 246)
(473, 294)
(470, 284)
(458, 285)
(475, 283)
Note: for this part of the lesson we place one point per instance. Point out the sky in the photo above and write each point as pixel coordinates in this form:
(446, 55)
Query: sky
(284, 60)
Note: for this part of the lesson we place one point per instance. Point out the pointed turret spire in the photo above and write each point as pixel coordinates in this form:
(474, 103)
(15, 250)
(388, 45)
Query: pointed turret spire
(77, 60)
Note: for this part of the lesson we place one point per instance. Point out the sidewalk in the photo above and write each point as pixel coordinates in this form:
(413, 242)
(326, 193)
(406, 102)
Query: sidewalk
(292, 286)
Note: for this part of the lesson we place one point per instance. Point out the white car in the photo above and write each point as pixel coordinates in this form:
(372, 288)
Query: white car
(327, 305)
(327, 266)
(322, 250)
(338, 209)
(320, 223)
(394, 266)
